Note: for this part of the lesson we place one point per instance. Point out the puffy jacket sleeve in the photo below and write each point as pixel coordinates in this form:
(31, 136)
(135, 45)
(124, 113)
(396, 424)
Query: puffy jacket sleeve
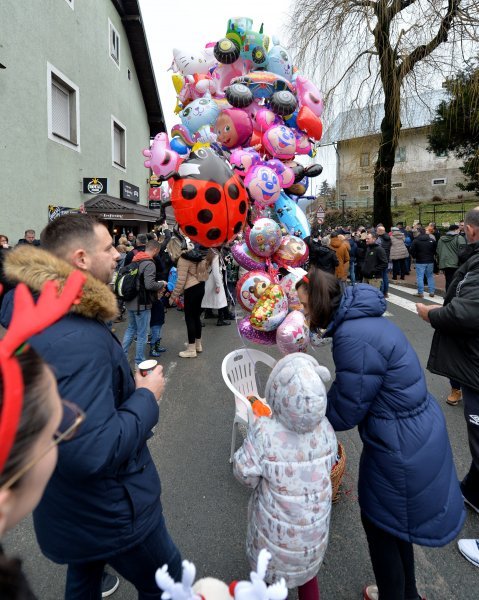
(182, 274)
(460, 315)
(112, 435)
(359, 375)
(382, 261)
(247, 462)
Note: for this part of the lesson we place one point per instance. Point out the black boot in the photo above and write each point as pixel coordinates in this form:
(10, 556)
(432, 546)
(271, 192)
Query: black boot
(209, 313)
(222, 316)
(157, 349)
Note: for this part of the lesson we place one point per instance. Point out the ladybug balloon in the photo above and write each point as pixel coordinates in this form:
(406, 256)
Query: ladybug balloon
(209, 200)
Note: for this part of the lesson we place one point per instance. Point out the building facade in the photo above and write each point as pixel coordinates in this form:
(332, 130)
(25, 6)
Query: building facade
(79, 103)
(418, 175)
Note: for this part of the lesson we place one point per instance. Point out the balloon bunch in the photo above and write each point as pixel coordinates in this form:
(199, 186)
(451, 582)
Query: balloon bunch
(271, 301)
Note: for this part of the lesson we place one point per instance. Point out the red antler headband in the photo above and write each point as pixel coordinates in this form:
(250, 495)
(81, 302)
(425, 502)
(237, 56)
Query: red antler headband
(27, 320)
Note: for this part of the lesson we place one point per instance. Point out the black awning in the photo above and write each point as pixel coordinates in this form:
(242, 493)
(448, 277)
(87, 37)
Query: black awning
(108, 207)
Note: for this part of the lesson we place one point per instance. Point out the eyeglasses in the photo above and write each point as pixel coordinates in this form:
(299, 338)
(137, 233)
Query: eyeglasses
(72, 418)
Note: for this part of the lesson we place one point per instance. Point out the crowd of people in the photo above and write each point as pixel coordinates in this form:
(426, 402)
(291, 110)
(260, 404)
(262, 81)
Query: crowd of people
(82, 492)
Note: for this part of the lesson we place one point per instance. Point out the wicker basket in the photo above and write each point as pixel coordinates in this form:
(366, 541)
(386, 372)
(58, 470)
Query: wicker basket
(337, 471)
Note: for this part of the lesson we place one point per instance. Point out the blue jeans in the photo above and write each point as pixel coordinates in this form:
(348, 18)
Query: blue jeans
(428, 270)
(138, 324)
(155, 334)
(352, 271)
(138, 565)
(385, 282)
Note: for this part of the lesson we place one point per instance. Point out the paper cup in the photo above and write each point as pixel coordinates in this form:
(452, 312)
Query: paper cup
(147, 366)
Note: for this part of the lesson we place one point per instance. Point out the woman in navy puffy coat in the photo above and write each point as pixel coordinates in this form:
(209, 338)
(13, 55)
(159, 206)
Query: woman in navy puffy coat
(408, 487)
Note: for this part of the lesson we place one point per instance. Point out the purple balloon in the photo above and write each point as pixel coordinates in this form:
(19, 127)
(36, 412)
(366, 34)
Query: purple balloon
(246, 259)
(246, 330)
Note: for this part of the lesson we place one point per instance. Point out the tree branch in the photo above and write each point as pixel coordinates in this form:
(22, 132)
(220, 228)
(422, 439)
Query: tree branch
(425, 49)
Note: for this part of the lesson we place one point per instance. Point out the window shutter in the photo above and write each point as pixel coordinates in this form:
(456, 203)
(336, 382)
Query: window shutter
(60, 111)
(117, 145)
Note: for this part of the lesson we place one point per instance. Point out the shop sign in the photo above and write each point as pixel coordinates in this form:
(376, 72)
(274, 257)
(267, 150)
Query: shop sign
(128, 191)
(154, 204)
(112, 216)
(57, 211)
(154, 193)
(95, 185)
(154, 181)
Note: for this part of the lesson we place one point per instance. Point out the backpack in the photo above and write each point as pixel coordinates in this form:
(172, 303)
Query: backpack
(203, 270)
(127, 283)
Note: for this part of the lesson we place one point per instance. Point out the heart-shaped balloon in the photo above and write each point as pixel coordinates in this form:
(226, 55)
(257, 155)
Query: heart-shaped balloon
(293, 333)
(247, 259)
(270, 310)
(250, 288)
(247, 331)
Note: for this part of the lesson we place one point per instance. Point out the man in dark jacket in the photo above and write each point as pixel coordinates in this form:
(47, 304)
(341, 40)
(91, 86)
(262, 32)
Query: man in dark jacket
(102, 504)
(139, 309)
(29, 239)
(384, 241)
(423, 249)
(140, 246)
(320, 255)
(455, 354)
(375, 261)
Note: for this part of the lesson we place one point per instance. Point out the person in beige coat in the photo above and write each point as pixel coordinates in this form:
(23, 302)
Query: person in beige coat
(193, 267)
(398, 253)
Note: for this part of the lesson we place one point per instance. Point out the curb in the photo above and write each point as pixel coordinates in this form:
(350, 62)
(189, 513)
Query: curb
(413, 286)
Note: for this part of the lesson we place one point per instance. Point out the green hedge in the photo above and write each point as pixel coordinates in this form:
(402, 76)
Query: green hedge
(352, 216)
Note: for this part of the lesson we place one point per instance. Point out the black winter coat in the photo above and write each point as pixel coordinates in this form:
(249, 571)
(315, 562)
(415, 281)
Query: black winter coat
(323, 258)
(385, 242)
(375, 261)
(454, 349)
(423, 249)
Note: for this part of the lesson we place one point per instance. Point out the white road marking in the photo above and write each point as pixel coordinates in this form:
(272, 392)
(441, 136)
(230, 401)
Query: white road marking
(403, 303)
(386, 313)
(411, 292)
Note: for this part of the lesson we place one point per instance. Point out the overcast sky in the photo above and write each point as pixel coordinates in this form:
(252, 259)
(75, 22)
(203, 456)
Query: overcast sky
(186, 24)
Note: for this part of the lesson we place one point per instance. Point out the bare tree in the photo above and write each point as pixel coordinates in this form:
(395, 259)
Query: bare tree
(377, 48)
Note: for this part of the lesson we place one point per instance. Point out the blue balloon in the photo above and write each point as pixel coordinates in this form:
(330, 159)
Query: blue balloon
(178, 145)
(291, 216)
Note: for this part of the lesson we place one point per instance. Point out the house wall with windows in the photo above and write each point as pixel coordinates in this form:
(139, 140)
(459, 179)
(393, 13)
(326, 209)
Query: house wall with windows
(417, 173)
(72, 107)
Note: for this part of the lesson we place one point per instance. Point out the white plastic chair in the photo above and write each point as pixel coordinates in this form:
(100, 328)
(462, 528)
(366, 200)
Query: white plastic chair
(239, 373)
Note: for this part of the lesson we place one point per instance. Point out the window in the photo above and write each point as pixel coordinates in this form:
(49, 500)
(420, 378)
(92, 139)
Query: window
(114, 44)
(396, 184)
(441, 181)
(401, 154)
(364, 159)
(364, 188)
(442, 154)
(118, 139)
(63, 109)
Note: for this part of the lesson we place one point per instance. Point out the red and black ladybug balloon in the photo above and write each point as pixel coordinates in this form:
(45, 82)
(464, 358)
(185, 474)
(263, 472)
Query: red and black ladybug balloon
(209, 200)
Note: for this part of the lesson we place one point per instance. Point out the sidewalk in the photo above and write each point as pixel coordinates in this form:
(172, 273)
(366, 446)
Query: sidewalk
(410, 282)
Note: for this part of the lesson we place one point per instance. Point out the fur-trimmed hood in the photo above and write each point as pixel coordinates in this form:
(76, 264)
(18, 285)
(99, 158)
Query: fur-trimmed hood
(34, 266)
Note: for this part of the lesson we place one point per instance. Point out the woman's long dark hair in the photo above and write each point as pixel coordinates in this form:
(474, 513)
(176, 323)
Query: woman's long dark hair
(324, 294)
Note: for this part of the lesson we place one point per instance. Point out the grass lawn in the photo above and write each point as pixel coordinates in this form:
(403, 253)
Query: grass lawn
(451, 212)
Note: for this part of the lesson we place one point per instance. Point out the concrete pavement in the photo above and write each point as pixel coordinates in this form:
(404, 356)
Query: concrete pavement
(206, 508)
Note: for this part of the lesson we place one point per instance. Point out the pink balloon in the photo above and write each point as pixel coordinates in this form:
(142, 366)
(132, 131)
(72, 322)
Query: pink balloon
(250, 288)
(247, 259)
(293, 333)
(288, 283)
(246, 330)
(292, 252)
(264, 238)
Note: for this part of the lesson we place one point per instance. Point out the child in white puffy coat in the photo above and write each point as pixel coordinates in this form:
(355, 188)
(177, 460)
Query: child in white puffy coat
(287, 460)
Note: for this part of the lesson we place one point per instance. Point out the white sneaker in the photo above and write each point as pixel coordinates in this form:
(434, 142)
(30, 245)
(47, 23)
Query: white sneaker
(470, 550)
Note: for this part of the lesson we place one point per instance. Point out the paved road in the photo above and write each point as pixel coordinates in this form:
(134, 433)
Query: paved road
(206, 507)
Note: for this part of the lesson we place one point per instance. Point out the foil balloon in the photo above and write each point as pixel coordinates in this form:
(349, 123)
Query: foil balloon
(291, 216)
(251, 287)
(209, 200)
(264, 238)
(246, 330)
(288, 283)
(247, 259)
(293, 333)
(270, 310)
(263, 185)
(293, 252)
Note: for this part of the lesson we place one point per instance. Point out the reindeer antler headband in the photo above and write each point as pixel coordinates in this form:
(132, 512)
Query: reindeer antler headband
(27, 320)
